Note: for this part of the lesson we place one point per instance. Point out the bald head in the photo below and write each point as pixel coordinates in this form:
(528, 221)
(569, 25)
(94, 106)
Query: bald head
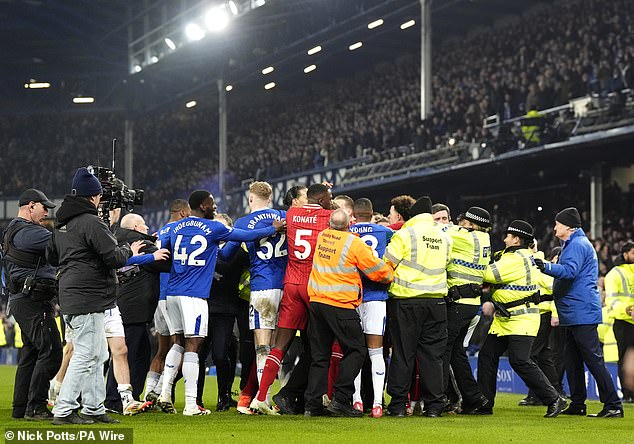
(339, 220)
(134, 222)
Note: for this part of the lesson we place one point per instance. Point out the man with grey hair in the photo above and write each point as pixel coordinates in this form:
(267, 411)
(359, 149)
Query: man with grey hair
(339, 220)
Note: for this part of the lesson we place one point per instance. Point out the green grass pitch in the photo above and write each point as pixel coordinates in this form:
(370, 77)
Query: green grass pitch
(509, 424)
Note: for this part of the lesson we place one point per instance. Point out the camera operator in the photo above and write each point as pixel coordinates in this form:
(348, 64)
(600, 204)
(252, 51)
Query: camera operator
(31, 285)
(87, 255)
(137, 301)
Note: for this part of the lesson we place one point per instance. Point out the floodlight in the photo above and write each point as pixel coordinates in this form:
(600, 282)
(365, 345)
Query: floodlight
(233, 7)
(268, 70)
(170, 43)
(137, 68)
(228, 87)
(408, 24)
(269, 85)
(257, 3)
(451, 141)
(217, 19)
(37, 85)
(191, 104)
(310, 68)
(83, 100)
(355, 46)
(194, 32)
(314, 50)
(375, 24)
(154, 59)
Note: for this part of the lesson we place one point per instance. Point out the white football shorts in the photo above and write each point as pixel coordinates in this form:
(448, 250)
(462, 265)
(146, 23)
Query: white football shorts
(372, 314)
(188, 315)
(162, 322)
(113, 324)
(263, 308)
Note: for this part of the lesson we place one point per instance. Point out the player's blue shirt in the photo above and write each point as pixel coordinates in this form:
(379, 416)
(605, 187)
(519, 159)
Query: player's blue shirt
(268, 256)
(193, 242)
(163, 237)
(377, 237)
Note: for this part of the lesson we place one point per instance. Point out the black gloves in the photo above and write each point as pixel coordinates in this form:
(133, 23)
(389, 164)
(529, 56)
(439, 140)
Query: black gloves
(540, 264)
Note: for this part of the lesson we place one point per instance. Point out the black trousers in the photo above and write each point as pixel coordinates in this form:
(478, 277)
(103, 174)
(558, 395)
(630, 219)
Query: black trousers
(418, 327)
(519, 353)
(624, 334)
(40, 357)
(221, 336)
(542, 353)
(296, 385)
(583, 346)
(328, 323)
(558, 346)
(246, 342)
(137, 340)
(459, 317)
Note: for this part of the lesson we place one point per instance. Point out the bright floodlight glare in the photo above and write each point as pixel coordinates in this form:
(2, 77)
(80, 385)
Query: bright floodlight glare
(269, 85)
(170, 43)
(154, 59)
(257, 3)
(355, 46)
(37, 85)
(268, 70)
(451, 141)
(310, 68)
(375, 24)
(190, 104)
(314, 50)
(217, 19)
(408, 24)
(194, 32)
(233, 7)
(539, 208)
(137, 68)
(228, 87)
(83, 100)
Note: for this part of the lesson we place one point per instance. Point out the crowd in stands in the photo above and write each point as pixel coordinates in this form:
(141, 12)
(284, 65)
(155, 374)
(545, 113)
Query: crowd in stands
(579, 47)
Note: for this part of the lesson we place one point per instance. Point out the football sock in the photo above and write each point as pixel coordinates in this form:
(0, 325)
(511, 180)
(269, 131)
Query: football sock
(272, 366)
(261, 353)
(252, 383)
(190, 378)
(333, 371)
(356, 397)
(378, 374)
(159, 385)
(172, 361)
(152, 381)
(125, 392)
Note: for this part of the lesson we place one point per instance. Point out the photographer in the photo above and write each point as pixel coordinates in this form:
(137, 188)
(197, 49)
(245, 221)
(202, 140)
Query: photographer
(87, 255)
(137, 301)
(31, 285)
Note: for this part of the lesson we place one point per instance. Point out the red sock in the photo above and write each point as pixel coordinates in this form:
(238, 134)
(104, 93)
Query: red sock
(333, 371)
(252, 382)
(414, 393)
(272, 366)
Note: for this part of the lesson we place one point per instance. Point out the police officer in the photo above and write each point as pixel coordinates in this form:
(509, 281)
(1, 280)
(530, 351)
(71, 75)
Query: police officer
(31, 285)
(514, 299)
(619, 283)
(470, 254)
(418, 253)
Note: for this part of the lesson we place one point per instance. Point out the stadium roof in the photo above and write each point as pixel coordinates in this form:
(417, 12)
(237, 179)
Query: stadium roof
(81, 46)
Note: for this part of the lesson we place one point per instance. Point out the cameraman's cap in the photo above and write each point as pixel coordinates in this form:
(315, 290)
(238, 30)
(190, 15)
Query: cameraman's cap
(478, 216)
(422, 205)
(521, 229)
(33, 195)
(569, 217)
(85, 184)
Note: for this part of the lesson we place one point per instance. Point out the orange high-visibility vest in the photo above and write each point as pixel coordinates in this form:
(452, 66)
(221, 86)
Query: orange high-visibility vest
(339, 257)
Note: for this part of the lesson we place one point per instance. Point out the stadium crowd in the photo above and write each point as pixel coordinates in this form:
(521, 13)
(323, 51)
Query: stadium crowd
(581, 47)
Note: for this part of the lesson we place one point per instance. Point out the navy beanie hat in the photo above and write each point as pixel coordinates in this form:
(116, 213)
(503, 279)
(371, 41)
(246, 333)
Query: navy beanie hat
(570, 217)
(85, 184)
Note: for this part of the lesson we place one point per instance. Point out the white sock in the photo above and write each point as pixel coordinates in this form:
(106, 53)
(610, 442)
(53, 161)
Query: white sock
(190, 378)
(172, 361)
(152, 381)
(261, 353)
(356, 397)
(159, 385)
(378, 374)
(125, 391)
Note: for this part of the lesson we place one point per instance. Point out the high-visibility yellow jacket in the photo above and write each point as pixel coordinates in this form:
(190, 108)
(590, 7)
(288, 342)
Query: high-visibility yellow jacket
(339, 257)
(530, 131)
(419, 254)
(514, 277)
(17, 338)
(469, 256)
(545, 286)
(619, 291)
(607, 338)
(3, 337)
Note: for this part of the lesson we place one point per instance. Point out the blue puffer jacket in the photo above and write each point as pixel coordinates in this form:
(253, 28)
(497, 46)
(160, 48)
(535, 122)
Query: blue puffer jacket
(575, 288)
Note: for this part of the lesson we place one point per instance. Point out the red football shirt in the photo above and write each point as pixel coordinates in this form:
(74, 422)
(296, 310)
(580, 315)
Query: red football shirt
(303, 224)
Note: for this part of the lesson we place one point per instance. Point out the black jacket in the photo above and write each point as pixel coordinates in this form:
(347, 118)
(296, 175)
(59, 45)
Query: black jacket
(224, 297)
(86, 254)
(138, 294)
